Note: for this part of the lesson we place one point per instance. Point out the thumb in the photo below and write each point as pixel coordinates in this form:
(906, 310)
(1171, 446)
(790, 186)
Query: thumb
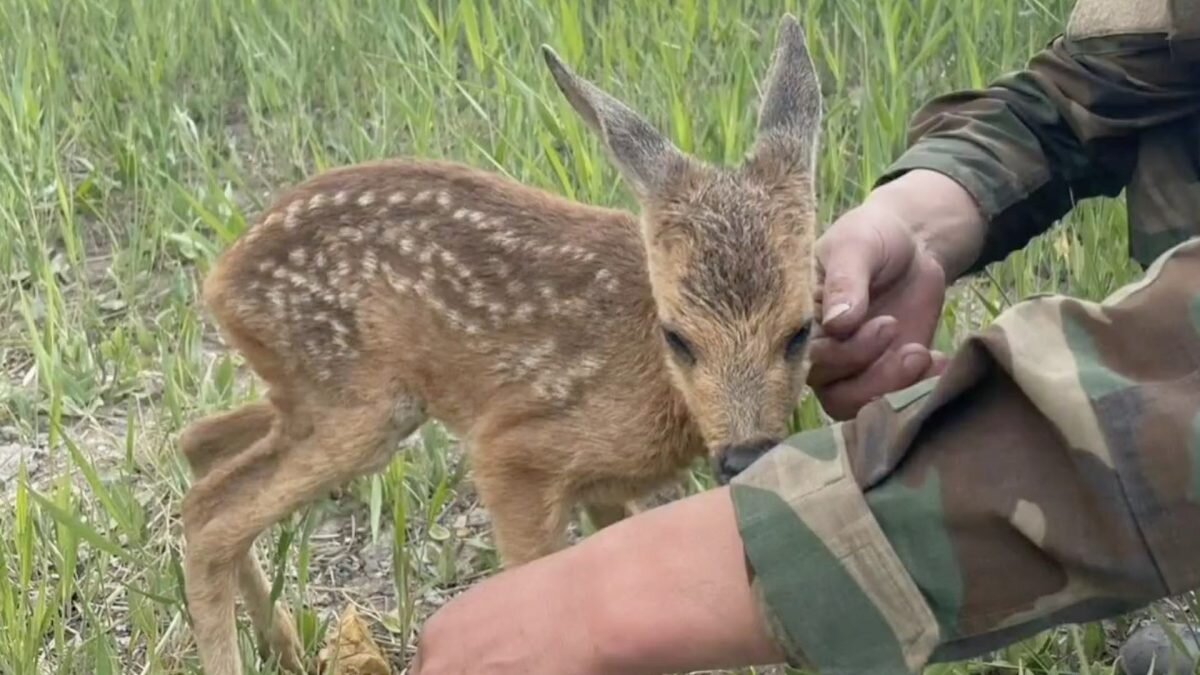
(847, 261)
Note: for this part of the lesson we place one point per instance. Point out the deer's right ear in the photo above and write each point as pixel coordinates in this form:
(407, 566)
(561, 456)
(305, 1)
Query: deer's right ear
(789, 119)
(645, 158)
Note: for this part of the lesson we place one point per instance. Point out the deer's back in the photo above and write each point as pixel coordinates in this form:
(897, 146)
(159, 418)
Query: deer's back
(443, 271)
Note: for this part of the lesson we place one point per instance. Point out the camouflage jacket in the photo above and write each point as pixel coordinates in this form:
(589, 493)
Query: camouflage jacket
(1113, 104)
(1052, 473)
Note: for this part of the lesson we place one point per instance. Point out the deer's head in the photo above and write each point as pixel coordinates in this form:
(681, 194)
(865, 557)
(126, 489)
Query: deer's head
(729, 252)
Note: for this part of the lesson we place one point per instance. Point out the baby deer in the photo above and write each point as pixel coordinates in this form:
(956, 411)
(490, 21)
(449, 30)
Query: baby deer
(584, 355)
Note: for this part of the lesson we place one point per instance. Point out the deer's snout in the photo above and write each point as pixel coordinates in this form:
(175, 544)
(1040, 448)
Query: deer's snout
(733, 458)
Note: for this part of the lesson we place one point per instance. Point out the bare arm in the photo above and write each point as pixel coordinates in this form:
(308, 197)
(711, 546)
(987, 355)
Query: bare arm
(664, 592)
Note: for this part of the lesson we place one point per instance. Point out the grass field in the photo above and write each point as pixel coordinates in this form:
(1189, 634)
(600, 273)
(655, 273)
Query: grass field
(137, 139)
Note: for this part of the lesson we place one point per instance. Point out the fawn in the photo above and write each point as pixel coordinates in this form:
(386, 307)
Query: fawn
(584, 355)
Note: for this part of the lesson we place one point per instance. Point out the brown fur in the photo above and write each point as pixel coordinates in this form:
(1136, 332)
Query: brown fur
(374, 297)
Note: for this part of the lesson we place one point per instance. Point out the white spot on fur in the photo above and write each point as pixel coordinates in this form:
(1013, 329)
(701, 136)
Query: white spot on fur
(275, 297)
(443, 199)
(291, 221)
(316, 201)
(341, 197)
(367, 198)
(491, 223)
(606, 280)
(504, 239)
(397, 282)
(298, 257)
(397, 197)
(422, 196)
(296, 279)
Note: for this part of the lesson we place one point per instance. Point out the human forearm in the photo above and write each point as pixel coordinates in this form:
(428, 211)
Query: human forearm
(671, 593)
(663, 592)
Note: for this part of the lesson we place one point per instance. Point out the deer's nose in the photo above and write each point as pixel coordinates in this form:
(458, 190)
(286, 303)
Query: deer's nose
(735, 458)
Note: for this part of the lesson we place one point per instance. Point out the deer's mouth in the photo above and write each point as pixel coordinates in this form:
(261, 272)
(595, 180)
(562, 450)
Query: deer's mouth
(732, 459)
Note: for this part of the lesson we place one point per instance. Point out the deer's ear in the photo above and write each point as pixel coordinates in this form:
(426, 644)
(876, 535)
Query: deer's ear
(645, 158)
(789, 118)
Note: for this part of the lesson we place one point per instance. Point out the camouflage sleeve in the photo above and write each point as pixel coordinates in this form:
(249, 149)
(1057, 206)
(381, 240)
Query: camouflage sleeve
(1067, 126)
(1051, 475)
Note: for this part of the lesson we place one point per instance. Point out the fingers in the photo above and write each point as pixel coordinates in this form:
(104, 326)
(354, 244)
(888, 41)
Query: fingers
(896, 369)
(938, 366)
(836, 359)
(848, 261)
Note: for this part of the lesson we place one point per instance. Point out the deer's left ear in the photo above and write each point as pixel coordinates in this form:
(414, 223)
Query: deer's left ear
(789, 118)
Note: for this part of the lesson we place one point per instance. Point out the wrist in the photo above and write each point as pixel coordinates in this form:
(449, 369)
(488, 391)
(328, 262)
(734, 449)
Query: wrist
(943, 218)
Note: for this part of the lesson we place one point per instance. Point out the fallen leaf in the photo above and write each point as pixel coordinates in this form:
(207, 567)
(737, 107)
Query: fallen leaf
(350, 650)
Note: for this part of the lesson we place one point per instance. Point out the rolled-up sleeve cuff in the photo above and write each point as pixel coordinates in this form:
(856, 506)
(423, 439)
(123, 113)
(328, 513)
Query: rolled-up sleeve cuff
(993, 186)
(832, 590)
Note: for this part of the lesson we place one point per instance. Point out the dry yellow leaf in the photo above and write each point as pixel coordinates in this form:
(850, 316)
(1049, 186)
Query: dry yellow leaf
(350, 650)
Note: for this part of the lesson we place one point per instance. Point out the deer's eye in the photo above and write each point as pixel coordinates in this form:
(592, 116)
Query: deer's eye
(679, 347)
(796, 343)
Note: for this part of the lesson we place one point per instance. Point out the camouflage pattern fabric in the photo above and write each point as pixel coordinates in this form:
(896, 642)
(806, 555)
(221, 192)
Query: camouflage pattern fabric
(1112, 104)
(1052, 473)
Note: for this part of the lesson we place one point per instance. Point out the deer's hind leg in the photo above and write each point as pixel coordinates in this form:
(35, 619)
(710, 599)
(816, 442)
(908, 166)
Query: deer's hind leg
(311, 447)
(207, 443)
(212, 440)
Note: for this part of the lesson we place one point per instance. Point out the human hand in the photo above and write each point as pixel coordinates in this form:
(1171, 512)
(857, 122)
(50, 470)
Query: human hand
(884, 268)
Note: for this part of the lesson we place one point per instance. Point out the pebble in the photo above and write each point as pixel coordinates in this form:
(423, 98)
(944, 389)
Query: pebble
(1152, 651)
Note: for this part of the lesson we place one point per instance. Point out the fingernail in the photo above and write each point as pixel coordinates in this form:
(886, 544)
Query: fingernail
(836, 311)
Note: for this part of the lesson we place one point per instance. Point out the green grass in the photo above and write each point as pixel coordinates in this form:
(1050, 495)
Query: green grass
(138, 138)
